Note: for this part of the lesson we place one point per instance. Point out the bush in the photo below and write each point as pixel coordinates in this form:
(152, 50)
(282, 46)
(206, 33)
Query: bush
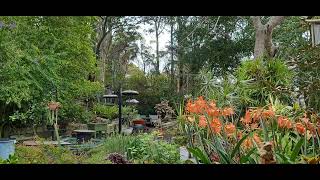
(257, 79)
(114, 144)
(146, 149)
(112, 112)
(75, 113)
(45, 154)
(108, 112)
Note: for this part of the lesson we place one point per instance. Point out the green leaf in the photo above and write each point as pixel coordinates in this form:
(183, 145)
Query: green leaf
(236, 149)
(223, 156)
(200, 155)
(296, 149)
(245, 158)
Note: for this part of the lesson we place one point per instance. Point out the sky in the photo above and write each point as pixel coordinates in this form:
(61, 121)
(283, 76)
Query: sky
(164, 40)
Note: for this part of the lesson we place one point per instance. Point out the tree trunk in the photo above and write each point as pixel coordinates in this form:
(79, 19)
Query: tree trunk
(179, 58)
(157, 51)
(172, 60)
(263, 36)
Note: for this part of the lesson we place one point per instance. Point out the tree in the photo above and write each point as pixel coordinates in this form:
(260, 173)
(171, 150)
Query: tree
(145, 55)
(159, 25)
(263, 35)
(43, 59)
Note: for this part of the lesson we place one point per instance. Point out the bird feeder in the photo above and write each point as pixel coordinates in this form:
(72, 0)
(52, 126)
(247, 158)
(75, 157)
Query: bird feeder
(315, 31)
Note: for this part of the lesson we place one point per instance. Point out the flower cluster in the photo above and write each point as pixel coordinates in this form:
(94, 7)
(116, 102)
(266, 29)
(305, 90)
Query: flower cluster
(210, 115)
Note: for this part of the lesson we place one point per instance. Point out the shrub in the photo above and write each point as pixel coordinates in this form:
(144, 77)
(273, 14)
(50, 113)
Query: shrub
(112, 112)
(108, 112)
(257, 79)
(113, 144)
(146, 149)
(45, 154)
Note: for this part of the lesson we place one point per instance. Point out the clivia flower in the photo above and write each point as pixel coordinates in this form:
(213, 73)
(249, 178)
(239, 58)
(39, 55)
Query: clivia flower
(202, 121)
(230, 129)
(284, 122)
(227, 112)
(213, 112)
(247, 118)
(268, 113)
(247, 143)
(256, 114)
(300, 128)
(215, 126)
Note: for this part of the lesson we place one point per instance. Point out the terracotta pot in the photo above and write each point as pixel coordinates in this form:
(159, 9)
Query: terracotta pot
(53, 106)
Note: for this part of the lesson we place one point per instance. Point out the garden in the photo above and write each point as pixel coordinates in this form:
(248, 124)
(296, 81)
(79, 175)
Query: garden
(203, 90)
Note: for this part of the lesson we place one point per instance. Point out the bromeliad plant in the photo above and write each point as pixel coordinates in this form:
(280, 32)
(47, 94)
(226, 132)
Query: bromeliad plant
(263, 135)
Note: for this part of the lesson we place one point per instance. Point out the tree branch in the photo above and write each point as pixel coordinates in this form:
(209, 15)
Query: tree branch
(274, 21)
(256, 21)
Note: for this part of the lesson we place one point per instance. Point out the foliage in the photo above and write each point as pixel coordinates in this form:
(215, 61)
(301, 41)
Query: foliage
(109, 112)
(152, 89)
(11, 160)
(260, 78)
(45, 154)
(112, 112)
(146, 149)
(220, 48)
(42, 55)
(113, 144)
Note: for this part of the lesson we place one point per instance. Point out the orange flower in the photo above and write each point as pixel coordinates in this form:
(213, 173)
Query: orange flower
(215, 126)
(230, 129)
(247, 118)
(202, 121)
(281, 122)
(213, 112)
(191, 108)
(213, 104)
(268, 113)
(201, 104)
(288, 124)
(227, 112)
(256, 114)
(257, 139)
(254, 126)
(300, 128)
(247, 143)
(284, 122)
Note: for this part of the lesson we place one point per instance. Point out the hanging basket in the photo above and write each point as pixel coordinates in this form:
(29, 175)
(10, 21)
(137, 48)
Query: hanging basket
(54, 106)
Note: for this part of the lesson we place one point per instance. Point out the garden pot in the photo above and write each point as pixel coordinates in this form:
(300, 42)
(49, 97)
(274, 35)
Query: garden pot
(7, 147)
